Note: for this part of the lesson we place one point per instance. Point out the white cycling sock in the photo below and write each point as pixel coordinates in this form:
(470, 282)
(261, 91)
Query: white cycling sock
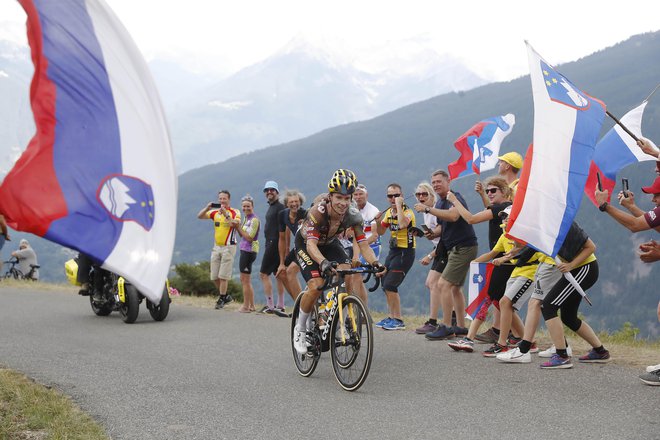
(302, 323)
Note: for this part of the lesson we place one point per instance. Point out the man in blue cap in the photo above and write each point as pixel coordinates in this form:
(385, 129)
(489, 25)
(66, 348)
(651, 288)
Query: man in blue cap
(271, 258)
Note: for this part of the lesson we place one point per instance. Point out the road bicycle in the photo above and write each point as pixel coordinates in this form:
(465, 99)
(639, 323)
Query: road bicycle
(340, 323)
(15, 273)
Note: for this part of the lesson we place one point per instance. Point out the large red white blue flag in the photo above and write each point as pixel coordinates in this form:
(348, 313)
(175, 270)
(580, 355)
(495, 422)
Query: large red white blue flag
(479, 282)
(480, 146)
(98, 176)
(567, 122)
(616, 150)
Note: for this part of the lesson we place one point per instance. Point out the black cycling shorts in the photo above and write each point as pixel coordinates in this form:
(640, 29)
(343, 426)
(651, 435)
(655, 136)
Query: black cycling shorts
(271, 258)
(309, 268)
(398, 263)
(245, 261)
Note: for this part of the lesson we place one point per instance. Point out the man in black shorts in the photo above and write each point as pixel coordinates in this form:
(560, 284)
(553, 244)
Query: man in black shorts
(271, 257)
(317, 245)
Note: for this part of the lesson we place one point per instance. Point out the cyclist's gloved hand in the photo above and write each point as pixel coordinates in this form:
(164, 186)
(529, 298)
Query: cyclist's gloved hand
(326, 267)
(379, 267)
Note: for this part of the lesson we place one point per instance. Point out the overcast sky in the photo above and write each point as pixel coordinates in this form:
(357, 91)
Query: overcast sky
(226, 35)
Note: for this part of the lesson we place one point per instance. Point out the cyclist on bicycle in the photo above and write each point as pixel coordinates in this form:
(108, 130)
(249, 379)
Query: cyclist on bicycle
(317, 244)
(27, 260)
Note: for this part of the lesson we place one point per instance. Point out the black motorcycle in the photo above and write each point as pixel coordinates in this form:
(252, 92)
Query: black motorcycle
(109, 292)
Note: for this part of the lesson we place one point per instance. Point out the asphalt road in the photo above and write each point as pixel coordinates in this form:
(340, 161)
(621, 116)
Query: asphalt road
(207, 374)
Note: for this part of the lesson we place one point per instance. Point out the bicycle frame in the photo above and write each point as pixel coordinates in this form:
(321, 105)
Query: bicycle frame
(337, 300)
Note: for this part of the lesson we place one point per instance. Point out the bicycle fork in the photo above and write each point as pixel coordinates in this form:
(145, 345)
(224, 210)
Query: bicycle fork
(351, 315)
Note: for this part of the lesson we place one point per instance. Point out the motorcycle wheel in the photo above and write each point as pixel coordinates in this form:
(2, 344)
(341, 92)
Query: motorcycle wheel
(129, 310)
(159, 311)
(100, 309)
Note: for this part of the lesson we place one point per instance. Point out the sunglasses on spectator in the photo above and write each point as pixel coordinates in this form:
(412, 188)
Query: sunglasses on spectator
(393, 196)
(491, 190)
(420, 194)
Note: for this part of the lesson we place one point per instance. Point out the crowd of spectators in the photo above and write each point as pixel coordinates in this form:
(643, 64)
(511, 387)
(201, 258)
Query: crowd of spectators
(552, 288)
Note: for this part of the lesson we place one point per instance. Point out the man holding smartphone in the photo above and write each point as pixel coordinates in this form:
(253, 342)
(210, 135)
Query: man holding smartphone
(637, 220)
(225, 221)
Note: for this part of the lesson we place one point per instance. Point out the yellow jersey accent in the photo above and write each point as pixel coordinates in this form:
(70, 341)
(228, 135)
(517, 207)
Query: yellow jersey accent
(225, 233)
(400, 238)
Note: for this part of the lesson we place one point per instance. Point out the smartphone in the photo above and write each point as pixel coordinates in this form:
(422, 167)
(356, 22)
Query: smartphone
(426, 229)
(215, 205)
(624, 184)
(600, 185)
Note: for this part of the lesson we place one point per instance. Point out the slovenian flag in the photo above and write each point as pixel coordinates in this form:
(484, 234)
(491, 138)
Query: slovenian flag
(480, 146)
(98, 176)
(567, 122)
(616, 150)
(480, 275)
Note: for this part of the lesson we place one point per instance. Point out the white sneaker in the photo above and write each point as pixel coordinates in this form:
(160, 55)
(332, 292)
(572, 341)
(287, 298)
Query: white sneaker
(300, 341)
(552, 350)
(515, 356)
(652, 368)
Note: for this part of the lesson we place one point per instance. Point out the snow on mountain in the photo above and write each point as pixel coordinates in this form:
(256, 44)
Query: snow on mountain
(305, 87)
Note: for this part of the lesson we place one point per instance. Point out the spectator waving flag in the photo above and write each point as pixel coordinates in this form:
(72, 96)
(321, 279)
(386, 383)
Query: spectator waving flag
(617, 149)
(480, 146)
(480, 275)
(98, 176)
(567, 122)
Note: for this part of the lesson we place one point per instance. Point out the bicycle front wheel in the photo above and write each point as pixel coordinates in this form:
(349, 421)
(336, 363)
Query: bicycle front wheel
(351, 344)
(305, 363)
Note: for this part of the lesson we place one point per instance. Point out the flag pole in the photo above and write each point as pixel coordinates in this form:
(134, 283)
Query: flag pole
(632, 135)
(623, 126)
(652, 93)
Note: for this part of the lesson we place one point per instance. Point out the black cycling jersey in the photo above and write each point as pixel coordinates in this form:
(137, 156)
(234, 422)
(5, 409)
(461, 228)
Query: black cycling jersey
(317, 224)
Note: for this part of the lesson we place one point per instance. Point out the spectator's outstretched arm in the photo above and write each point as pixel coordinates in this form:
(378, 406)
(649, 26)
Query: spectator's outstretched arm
(202, 214)
(479, 188)
(646, 146)
(629, 203)
(632, 223)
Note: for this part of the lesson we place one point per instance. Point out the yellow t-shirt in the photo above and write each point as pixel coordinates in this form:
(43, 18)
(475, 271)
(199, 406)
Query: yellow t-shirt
(505, 244)
(589, 259)
(400, 238)
(225, 233)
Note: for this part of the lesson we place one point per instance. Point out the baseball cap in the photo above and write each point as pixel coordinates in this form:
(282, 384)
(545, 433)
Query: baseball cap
(653, 189)
(271, 184)
(512, 158)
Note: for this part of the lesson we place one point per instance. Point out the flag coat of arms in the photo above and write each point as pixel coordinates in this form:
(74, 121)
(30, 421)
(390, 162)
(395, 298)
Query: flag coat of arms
(98, 176)
(616, 150)
(567, 122)
(480, 146)
(479, 282)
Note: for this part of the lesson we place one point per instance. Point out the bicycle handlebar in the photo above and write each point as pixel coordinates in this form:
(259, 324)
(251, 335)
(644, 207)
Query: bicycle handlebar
(362, 268)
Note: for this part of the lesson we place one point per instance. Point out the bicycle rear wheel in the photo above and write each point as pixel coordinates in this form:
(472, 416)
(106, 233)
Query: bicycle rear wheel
(351, 354)
(305, 363)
